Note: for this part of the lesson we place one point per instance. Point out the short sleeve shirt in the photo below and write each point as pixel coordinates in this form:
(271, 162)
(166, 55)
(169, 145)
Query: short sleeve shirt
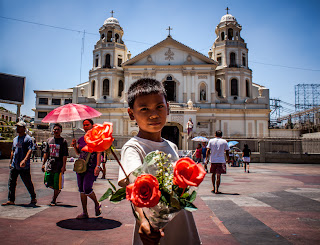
(57, 148)
(20, 147)
(217, 147)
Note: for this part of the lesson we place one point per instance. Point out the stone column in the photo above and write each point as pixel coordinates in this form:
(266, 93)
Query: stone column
(185, 92)
(193, 86)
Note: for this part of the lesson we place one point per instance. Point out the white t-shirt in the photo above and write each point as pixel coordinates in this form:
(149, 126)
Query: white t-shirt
(217, 147)
(182, 229)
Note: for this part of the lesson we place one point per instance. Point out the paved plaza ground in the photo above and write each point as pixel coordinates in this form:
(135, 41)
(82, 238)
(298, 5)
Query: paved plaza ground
(273, 204)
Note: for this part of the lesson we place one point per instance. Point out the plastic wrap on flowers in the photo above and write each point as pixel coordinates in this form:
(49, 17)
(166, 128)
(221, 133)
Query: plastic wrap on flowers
(175, 195)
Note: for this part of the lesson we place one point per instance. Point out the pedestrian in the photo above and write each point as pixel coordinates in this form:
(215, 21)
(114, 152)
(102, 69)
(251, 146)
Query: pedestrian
(204, 154)
(215, 149)
(198, 153)
(34, 150)
(54, 162)
(20, 164)
(86, 179)
(42, 149)
(246, 153)
(148, 106)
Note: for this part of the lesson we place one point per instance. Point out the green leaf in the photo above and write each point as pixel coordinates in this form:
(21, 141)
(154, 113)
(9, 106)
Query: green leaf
(190, 207)
(185, 195)
(174, 202)
(106, 195)
(118, 195)
(112, 185)
(193, 196)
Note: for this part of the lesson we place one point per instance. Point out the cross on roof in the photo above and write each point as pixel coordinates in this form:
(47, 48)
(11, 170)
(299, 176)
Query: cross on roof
(169, 29)
(112, 12)
(227, 10)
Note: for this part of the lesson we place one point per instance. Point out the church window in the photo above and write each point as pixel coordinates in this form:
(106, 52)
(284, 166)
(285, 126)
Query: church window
(97, 61)
(102, 36)
(232, 59)
(244, 60)
(109, 36)
(108, 58)
(218, 87)
(93, 87)
(230, 34)
(67, 101)
(119, 62)
(234, 87)
(219, 59)
(105, 88)
(117, 38)
(203, 92)
(170, 87)
(247, 88)
(120, 88)
(222, 36)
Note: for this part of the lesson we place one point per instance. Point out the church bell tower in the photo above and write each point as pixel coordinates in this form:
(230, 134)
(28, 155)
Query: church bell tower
(233, 76)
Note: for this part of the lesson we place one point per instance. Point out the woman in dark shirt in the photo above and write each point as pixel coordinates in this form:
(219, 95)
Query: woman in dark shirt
(86, 179)
(246, 157)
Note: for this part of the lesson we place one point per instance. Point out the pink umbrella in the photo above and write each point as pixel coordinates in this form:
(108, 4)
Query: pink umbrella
(70, 113)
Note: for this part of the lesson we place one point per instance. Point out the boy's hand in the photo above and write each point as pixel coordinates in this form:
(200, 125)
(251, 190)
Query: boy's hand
(148, 235)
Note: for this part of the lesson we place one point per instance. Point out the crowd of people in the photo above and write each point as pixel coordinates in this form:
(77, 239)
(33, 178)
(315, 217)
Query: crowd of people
(148, 106)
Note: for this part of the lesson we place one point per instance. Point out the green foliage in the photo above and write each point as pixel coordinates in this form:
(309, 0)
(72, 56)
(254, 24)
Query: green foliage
(114, 195)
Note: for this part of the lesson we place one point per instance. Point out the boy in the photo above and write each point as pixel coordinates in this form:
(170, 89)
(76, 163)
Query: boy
(56, 152)
(149, 108)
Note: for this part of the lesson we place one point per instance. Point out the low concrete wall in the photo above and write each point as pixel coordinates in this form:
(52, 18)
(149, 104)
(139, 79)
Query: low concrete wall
(276, 157)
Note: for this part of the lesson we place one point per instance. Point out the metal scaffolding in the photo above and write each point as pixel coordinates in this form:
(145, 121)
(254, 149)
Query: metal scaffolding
(307, 96)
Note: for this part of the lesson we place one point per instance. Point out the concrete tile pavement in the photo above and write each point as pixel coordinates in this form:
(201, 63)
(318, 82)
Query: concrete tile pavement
(275, 203)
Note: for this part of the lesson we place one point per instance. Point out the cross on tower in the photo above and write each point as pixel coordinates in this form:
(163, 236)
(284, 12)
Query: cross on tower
(169, 29)
(112, 12)
(227, 10)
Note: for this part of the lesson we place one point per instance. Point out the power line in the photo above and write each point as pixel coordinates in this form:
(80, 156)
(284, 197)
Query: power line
(79, 31)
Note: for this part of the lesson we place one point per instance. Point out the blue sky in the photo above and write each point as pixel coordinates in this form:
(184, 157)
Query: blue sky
(282, 37)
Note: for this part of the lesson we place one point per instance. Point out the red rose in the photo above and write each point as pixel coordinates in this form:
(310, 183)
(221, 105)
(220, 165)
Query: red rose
(144, 192)
(187, 173)
(99, 138)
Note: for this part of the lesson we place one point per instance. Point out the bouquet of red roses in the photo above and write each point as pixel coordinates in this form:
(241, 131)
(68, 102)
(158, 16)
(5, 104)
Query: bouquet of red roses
(164, 187)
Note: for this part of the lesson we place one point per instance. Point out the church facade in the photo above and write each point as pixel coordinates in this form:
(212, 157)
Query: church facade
(214, 92)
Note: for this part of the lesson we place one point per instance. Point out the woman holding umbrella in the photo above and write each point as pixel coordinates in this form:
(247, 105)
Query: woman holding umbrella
(86, 179)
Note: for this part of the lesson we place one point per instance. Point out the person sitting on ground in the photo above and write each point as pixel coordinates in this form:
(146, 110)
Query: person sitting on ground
(54, 162)
(86, 179)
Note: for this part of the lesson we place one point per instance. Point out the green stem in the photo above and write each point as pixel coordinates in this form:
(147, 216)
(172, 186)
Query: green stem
(184, 189)
(115, 156)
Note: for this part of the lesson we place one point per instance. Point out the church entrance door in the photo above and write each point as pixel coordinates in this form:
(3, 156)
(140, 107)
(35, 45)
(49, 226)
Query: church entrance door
(170, 87)
(171, 133)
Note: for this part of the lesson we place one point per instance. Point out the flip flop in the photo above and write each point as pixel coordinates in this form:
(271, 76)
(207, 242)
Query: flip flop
(218, 192)
(7, 203)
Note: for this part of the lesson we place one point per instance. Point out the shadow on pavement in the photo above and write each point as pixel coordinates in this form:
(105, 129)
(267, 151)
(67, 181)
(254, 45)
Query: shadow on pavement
(91, 224)
(224, 193)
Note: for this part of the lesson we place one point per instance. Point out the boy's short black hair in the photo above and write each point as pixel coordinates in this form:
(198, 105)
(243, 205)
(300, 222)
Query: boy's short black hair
(219, 133)
(145, 86)
(58, 125)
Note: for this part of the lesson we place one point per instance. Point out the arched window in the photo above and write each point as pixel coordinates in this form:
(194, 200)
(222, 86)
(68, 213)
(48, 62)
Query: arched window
(170, 87)
(234, 87)
(109, 36)
(105, 87)
(120, 88)
(218, 87)
(230, 34)
(247, 88)
(93, 87)
(117, 38)
(108, 58)
(232, 59)
(97, 61)
(222, 36)
(203, 92)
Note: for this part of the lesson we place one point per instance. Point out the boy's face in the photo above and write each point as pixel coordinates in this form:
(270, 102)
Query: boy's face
(150, 112)
(56, 131)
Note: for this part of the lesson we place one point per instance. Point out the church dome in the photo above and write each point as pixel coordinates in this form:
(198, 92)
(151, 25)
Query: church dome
(227, 17)
(111, 21)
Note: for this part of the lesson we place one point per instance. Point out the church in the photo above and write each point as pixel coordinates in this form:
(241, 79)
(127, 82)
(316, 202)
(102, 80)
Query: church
(215, 92)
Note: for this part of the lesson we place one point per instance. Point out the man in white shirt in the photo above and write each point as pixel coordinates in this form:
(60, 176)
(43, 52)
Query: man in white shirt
(215, 149)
